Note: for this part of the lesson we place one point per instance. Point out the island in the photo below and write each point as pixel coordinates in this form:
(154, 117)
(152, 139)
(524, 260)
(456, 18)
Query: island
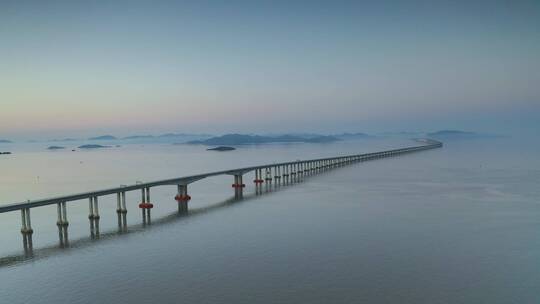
(138, 137)
(93, 147)
(64, 139)
(55, 148)
(104, 137)
(5, 141)
(221, 148)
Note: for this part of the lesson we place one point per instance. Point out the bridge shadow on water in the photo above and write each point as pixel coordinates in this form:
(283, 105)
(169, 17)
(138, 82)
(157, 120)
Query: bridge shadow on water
(65, 245)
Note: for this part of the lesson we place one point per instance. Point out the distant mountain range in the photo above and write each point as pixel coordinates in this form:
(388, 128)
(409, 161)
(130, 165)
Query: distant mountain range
(352, 135)
(240, 139)
(139, 137)
(132, 137)
(64, 139)
(457, 134)
(243, 139)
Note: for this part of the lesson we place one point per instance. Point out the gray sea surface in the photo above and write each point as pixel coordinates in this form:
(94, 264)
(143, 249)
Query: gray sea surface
(459, 224)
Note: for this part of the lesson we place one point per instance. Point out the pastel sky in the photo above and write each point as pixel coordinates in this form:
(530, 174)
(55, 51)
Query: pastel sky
(78, 68)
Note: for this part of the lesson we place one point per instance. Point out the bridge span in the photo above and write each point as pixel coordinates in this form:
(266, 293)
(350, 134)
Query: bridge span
(268, 174)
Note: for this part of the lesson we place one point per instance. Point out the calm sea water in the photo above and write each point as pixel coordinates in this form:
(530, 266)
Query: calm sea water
(454, 225)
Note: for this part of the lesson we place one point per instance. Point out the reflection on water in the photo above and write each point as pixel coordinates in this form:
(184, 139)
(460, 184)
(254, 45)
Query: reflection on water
(94, 228)
(63, 236)
(27, 245)
(122, 221)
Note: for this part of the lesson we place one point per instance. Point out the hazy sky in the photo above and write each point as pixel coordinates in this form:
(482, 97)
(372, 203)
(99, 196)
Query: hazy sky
(78, 68)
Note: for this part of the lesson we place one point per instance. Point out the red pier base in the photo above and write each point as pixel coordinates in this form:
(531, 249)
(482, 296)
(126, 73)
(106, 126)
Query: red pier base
(182, 198)
(146, 205)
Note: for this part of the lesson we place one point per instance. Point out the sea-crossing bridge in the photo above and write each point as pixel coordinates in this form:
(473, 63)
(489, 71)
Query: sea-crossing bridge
(277, 173)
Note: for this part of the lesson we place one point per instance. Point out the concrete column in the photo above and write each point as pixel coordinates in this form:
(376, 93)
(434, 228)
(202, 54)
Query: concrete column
(118, 202)
(268, 177)
(59, 212)
(238, 186)
(124, 208)
(183, 198)
(91, 208)
(27, 231)
(62, 214)
(258, 180)
(96, 209)
(145, 204)
(26, 223)
(121, 211)
(62, 224)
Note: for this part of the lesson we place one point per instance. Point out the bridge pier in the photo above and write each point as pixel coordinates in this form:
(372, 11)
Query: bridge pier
(258, 177)
(62, 224)
(238, 186)
(62, 214)
(93, 208)
(258, 181)
(285, 174)
(277, 175)
(121, 203)
(26, 231)
(268, 175)
(26, 223)
(121, 211)
(93, 217)
(145, 205)
(182, 198)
